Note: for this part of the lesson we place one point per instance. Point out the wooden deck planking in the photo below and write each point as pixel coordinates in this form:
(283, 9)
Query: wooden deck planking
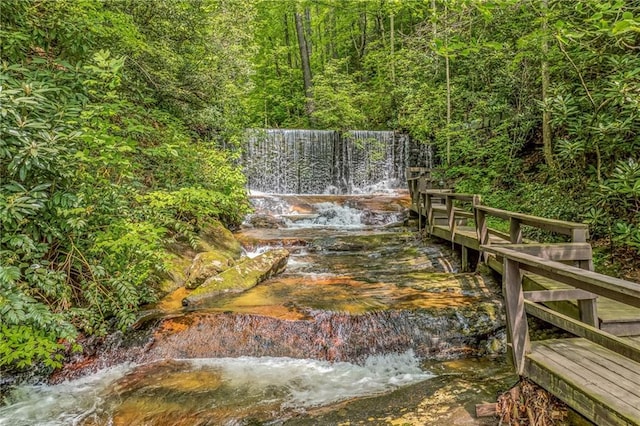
(624, 381)
(568, 367)
(630, 366)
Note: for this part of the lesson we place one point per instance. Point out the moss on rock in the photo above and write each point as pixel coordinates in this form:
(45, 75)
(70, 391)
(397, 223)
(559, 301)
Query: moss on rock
(205, 265)
(240, 277)
(215, 237)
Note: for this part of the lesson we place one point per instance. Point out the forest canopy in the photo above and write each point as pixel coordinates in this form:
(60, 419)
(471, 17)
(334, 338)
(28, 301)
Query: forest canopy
(122, 123)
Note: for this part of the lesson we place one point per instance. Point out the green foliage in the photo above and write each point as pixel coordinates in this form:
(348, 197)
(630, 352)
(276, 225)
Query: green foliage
(23, 345)
(488, 58)
(338, 104)
(100, 165)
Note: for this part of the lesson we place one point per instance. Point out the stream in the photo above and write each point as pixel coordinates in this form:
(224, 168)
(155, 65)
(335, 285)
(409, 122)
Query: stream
(367, 325)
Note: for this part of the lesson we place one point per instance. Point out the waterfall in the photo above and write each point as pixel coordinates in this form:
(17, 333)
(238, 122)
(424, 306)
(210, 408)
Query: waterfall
(295, 161)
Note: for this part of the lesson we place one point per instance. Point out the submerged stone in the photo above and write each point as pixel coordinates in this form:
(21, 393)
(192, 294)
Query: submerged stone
(240, 277)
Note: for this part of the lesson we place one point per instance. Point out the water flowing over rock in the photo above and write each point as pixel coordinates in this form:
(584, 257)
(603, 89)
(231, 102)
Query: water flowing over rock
(358, 311)
(288, 161)
(323, 335)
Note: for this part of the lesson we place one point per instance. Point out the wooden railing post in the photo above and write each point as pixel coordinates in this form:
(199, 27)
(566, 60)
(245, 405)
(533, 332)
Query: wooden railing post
(428, 205)
(579, 235)
(419, 210)
(517, 327)
(588, 309)
(482, 230)
(515, 231)
(451, 216)
(413, 186)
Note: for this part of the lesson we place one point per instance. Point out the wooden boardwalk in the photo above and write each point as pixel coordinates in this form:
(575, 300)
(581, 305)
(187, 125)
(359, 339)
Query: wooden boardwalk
(597, 372)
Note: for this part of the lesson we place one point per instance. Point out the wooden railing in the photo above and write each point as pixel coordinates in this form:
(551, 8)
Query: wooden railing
(595, 373)
(443, 207)
(578, 232)
(587, 285)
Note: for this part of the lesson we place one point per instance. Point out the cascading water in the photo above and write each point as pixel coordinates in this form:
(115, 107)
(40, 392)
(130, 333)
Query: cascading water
(214, 391)
(361, 308)
(294, 161)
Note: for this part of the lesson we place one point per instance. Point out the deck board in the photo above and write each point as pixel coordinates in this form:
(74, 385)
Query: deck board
(592, 380)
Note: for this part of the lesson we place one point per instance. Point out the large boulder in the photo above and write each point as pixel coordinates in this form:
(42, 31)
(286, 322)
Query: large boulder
(179, 256)
(205, 265)
(240, 277)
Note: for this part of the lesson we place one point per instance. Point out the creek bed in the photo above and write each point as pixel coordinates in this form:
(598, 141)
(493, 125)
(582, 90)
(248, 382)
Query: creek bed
(368, 324)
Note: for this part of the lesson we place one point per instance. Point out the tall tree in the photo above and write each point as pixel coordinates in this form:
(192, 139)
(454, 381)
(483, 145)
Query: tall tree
(305, 62)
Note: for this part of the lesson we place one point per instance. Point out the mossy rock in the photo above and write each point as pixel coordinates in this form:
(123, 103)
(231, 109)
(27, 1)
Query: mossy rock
(240, 277)
(215, 237)
(177, 266)
(205, 265)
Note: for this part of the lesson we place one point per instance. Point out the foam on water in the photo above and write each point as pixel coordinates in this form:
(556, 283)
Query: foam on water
(67, 403)
(293, 383)
(257, 251)
(330, 215)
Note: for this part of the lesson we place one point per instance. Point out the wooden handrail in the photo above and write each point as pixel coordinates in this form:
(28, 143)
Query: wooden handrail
(623, 291)
(619, 345)
(453, 195)
(515, 260)
(552, 225)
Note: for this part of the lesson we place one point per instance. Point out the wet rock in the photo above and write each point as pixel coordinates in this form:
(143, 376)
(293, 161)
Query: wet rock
(266, 221)
(205, 265)
(436, 333)
(373, 218)
(177, 261)
(240, 277)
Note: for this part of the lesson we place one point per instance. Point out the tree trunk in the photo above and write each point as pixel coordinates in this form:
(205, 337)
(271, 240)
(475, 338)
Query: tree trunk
(306, 65)
(448, 76)
(392, 42)
(286, 40)
(547, 147)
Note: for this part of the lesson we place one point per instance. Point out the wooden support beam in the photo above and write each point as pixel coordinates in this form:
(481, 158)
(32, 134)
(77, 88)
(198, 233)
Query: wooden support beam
(451, 218)
(515, 231)
(464, 253)
(428, 202)
(588, 309)
(579, 235)
(482, 231)
(517, 327)
(420, 212)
